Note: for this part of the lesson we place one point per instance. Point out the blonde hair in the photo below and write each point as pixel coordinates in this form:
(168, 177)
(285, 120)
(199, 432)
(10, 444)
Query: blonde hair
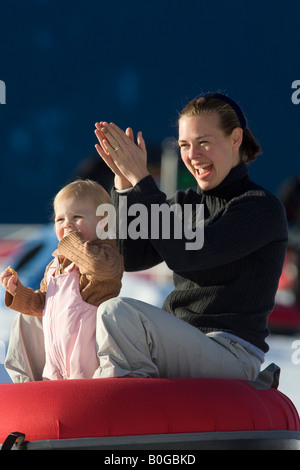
(84, 189)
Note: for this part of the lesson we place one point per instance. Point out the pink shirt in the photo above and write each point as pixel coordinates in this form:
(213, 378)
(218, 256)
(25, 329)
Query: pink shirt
(69, 325)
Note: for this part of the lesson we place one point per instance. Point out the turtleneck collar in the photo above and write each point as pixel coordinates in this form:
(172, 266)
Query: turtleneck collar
(231, 185)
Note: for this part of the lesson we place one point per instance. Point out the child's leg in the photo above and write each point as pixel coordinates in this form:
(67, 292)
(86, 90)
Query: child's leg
(25, 357)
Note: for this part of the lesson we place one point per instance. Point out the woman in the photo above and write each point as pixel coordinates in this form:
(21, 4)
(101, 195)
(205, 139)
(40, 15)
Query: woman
(225, 290)
(214, 323)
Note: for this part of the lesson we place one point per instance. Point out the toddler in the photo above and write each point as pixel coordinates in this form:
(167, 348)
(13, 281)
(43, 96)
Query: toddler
(85, 272)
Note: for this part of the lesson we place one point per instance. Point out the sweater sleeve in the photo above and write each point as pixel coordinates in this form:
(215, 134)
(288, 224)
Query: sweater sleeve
(26, 300)
(139, 254)
(98, 260)
(248, 223)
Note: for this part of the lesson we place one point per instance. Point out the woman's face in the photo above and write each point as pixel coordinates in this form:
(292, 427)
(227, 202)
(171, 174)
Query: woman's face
(206, 151)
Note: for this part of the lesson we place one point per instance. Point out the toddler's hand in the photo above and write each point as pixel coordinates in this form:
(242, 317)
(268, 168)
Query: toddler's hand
(9, 280)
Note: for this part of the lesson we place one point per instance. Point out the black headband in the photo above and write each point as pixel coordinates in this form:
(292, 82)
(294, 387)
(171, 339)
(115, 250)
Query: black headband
(232, 103)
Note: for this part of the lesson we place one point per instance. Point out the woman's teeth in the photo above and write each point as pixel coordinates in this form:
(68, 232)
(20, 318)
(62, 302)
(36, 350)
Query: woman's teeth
(204, 168)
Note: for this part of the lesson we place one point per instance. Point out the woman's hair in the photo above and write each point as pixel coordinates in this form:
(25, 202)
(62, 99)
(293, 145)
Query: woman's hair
(84, 189)
(230, 117)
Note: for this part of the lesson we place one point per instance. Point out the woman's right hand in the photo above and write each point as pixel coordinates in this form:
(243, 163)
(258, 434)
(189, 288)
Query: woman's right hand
(125, 158)
(9, 281)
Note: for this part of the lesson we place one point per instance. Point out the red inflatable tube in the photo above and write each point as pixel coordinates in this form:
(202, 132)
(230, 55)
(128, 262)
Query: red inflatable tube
(101, 408)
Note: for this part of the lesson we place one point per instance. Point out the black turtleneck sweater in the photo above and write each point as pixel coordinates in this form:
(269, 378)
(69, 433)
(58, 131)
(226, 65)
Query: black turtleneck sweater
(230, 283)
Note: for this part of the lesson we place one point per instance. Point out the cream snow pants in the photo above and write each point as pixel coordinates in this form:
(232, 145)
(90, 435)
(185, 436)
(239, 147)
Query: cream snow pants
(135, 339)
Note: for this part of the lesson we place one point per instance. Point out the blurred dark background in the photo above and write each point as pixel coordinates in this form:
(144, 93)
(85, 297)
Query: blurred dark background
(67, 64)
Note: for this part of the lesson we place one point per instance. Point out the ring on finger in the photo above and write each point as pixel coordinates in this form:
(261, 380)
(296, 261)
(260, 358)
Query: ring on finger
(116, 148)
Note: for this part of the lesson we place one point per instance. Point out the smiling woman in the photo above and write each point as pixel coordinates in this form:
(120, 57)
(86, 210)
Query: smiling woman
(214, 138)
(229, 117)
(206, 151)
(225, 290)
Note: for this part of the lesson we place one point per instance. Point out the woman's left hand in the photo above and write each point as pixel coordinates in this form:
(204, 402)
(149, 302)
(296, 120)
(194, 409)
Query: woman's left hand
(125, 158)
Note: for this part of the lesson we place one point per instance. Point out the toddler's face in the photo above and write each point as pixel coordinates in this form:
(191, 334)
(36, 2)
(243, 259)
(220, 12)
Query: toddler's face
(73, 215)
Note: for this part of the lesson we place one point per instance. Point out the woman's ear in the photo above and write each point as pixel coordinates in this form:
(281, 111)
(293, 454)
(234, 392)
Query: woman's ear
(237, 137)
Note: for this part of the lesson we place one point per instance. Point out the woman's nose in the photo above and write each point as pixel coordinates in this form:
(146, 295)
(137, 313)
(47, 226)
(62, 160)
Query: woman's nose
(193, 152)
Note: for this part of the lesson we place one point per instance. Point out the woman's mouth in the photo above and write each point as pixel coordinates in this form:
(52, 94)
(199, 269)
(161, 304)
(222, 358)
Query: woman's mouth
(203, 170)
